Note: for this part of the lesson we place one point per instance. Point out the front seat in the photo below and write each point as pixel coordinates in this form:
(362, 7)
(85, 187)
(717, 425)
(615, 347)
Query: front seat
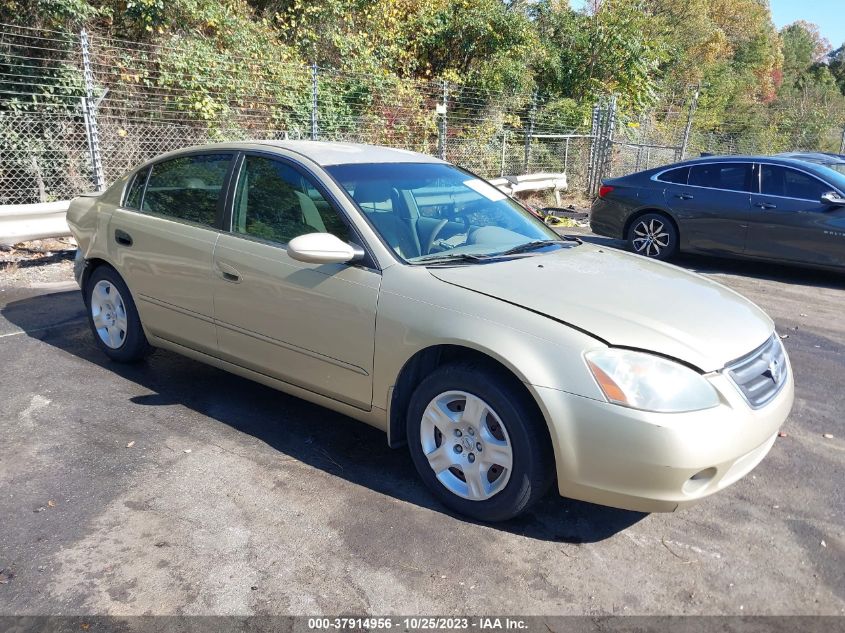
(371, 196)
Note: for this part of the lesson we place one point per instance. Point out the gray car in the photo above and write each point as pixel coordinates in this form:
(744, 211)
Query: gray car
(762, 207)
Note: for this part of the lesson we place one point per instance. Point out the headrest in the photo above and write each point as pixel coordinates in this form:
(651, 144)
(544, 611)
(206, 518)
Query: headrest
(372, 191)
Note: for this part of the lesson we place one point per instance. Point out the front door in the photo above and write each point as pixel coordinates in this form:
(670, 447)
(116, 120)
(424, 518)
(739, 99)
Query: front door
(713, 207)
(791, 223)
(162, 241)
(306, 324)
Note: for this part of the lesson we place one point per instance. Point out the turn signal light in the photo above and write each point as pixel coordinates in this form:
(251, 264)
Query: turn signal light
(604, 190)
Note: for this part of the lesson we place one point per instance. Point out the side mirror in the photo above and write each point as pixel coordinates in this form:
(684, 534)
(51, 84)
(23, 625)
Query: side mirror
(323, 248)
(833, 199)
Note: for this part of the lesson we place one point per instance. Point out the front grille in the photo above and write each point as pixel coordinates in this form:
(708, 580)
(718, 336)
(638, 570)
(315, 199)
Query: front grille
(761, 374)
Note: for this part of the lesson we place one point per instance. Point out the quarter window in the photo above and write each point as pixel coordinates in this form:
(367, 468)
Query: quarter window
(133, 196)
(730, 176)
(275, 202)
(785, 182)
(187, 188)
(678, 176)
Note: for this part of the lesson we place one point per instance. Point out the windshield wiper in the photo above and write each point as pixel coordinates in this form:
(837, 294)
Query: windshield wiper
(452, 258)
(530, 246)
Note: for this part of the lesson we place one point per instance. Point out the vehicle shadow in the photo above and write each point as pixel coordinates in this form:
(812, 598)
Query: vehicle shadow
(771, 271)
(336, 444)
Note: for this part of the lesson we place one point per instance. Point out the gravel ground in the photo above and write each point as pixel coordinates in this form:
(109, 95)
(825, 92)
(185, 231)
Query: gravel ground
(170, 487)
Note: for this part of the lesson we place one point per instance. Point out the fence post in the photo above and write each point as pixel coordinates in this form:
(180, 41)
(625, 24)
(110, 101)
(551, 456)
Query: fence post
(610, 127)
(842, 144)
(529, 133)
(89, 114)
(314, 101)
(692, 107)
(594, 145)
(442, 112)
(504, 149)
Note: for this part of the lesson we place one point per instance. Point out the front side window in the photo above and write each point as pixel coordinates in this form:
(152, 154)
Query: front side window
(428, 210)
(187, 188)
(789, 183)
(275, 202)
(730, 176)
(136, 189)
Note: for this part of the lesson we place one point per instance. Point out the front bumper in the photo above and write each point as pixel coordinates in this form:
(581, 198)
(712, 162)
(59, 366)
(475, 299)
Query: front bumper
(658, 462)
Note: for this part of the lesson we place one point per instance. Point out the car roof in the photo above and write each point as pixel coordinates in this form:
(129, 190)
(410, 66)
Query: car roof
(777, 159)
(816, 157)
(324, 153)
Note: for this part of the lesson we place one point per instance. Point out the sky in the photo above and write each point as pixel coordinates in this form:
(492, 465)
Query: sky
(829, 15)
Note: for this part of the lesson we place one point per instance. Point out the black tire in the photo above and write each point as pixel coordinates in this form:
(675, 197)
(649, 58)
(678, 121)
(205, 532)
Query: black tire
(133, 345)
(653, 235)
(532, 469)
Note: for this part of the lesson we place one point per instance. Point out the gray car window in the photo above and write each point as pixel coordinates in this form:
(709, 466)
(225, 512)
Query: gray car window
(678, 176)
(730, 176)
(187, 188)
(275, 202)
(789, 183)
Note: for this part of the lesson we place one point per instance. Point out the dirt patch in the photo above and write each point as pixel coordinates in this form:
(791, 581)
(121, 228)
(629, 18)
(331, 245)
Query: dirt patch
(39, 261)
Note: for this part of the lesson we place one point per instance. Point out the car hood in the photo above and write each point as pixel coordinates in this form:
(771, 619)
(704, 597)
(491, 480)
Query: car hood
(625, 300)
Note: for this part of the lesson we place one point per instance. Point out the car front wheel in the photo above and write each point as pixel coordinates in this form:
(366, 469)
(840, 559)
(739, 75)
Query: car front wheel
(478, 442)
(653, 235)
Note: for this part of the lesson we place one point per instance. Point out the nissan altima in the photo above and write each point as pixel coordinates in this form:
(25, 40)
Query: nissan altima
(775, 208)
(412, 295)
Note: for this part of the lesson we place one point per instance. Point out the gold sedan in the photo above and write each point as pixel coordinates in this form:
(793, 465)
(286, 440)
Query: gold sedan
(409, 294)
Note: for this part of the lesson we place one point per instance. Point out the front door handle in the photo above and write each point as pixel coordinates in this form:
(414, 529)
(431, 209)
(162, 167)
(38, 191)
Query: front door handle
(122, 237)
(766, 205)
(229, 273)
(684, 196)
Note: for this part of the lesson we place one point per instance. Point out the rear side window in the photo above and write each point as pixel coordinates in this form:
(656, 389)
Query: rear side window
(133, 196)
(730, 176)
(789, 183)
(187, 188)
(678, 176)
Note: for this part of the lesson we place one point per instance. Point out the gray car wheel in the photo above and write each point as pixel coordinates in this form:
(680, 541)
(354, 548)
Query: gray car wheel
(653, 235)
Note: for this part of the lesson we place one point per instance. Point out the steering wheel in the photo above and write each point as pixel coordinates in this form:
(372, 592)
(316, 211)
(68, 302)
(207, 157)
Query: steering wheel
(439, 227)
(433, 235)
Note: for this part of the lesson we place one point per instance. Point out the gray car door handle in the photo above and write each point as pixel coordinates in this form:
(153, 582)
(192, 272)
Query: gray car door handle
(684, 196)
(766, 205)
(229, 273)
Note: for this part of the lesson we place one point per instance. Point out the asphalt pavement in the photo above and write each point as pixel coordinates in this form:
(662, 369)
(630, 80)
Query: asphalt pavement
(170, 487)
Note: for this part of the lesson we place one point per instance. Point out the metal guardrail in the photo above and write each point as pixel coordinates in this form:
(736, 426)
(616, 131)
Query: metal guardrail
(24, 222)
(511, 185)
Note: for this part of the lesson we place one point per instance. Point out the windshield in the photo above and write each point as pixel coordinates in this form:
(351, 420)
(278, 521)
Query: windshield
(431, 211)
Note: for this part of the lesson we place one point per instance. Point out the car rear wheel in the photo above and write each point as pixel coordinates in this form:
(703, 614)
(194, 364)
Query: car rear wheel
(478, 442)
(114, 318)
(653, 235)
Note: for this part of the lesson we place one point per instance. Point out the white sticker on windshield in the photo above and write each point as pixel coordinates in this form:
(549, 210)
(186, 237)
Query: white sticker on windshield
(485, 189)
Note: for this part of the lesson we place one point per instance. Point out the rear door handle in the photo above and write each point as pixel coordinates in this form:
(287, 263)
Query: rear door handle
(765, 205)
(229, 273)
(684, 196)
(122, 237)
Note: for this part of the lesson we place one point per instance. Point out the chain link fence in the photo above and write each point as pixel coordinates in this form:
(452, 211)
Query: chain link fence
(77, 110)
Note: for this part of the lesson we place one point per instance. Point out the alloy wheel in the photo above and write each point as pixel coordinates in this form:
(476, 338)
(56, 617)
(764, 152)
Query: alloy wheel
(467, 445)
(108, 312)
(650, 237)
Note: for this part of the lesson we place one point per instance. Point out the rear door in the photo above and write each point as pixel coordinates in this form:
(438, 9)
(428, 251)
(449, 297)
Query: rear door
(791, 223)
(713, 207)
(162, 241)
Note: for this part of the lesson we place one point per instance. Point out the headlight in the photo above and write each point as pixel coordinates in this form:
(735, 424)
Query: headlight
(650, 383)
